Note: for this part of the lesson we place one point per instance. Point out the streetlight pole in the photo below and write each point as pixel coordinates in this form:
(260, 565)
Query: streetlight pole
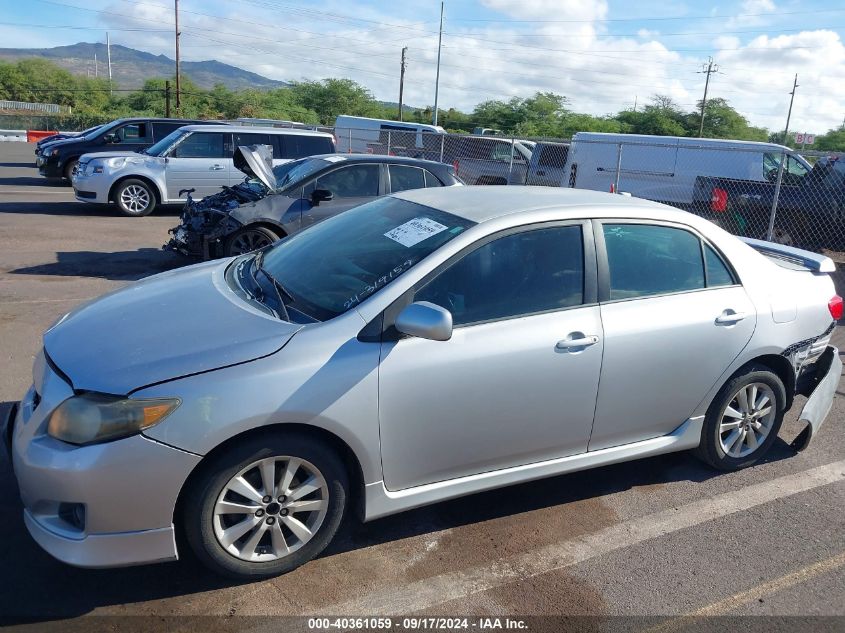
(402, 80)
(437, 80)
(178, 86)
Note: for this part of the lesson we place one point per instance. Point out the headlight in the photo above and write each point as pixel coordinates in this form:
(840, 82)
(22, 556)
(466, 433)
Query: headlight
(54, 152)
(92, 418)
(115, 162)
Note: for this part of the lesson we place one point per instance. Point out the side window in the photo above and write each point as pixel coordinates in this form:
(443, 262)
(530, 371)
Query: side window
(502, 152)
(718, 273)
(200, 145)
(133, 133)
(647, 260)
(431, 180)
(795, 168)
(244, 138)
(516, 275)
(300, 145)
(354, 181)
(163, 128)
(403, 178)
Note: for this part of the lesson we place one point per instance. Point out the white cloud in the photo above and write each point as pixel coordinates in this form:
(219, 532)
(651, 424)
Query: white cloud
(550, 9)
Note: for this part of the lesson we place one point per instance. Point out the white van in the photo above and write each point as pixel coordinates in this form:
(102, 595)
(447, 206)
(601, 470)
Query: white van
(664, 168)
(361, 135)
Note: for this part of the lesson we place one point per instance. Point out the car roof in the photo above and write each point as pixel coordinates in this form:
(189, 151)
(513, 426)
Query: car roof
(246, 129)
(381, 158)
(481, 203)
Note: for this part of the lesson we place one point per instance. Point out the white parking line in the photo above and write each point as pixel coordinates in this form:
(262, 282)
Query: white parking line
(457, 585)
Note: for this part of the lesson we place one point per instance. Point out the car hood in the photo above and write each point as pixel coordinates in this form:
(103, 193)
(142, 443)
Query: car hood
(115, 154)
(178, 323)
(256, 161)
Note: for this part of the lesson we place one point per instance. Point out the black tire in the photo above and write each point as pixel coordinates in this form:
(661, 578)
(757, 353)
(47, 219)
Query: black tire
(202, 495)
(711, 450)
(69, 167)
(248, 239)
(134, 198)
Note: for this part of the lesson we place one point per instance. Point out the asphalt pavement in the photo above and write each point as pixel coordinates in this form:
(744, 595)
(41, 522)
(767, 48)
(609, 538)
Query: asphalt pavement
(665, 536)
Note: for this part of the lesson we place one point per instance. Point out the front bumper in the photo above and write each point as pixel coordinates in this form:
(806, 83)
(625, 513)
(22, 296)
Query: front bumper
(820, 385)
(125, 490)
(92, 188)
(49, 168)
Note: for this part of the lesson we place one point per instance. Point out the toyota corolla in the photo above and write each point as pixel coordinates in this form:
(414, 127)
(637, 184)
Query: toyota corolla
(423, 346)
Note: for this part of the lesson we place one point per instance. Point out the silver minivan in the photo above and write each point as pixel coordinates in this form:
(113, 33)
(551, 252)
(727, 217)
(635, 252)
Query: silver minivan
(195, 158)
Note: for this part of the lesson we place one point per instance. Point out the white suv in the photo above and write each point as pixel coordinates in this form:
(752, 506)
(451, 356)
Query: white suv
(194, 157)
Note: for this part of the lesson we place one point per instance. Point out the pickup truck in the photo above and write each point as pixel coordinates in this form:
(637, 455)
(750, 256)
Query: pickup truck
(487, 160)
(810, 212)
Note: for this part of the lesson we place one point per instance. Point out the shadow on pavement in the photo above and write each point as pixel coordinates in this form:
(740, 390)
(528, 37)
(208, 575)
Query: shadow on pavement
(41, 588)
(122, 265)
(73, 207)
(35, 181)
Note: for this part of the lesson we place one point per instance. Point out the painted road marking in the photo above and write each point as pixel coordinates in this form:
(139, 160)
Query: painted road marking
(751, 595)
(431, 592)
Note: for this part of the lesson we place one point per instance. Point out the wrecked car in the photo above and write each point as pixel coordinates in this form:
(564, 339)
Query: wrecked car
(272, 203)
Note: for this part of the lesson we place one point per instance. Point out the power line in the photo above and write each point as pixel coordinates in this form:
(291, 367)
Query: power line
(655, 19)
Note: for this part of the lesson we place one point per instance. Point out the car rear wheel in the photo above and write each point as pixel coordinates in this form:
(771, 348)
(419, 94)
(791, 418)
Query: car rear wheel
(134, 198)
(265, 507)
(743, 420)
(249, 239)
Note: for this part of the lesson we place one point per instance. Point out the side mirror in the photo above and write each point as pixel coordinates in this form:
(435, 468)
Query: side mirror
(111, 138)
(321, 195)
(425, 320)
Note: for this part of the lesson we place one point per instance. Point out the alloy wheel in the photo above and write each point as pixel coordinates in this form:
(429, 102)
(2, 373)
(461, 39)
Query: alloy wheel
(270, 509)
(249, 241)
(135, 198)
(747, 420)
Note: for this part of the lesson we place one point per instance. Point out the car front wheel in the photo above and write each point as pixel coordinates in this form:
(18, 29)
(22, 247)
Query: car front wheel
(743, 420)
(266, 506)
(135, 198)
(249, 239)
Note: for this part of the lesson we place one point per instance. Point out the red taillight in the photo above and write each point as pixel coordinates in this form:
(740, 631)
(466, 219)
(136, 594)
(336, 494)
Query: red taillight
(835, 307)
(719, 200)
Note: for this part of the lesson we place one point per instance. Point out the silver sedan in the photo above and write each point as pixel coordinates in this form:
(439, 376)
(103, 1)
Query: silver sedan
(424, 346)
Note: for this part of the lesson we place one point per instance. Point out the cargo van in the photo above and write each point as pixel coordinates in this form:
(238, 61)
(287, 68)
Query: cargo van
(664, 168)
(361, 135)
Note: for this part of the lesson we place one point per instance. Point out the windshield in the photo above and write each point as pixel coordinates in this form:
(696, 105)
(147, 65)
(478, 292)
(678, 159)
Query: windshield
(103, 128)
(303, 169)
(335, 265)
(281, 171)
(164, 144)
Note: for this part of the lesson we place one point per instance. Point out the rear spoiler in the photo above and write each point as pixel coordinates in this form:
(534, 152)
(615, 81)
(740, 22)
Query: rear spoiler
(789, 254)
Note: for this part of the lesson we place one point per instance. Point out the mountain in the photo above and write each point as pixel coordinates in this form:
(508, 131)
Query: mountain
(131, 67)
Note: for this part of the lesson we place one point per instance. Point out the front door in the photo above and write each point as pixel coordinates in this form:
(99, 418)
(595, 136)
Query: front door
(349, 185)
(202, 162)
(674, 318)
(517, 382)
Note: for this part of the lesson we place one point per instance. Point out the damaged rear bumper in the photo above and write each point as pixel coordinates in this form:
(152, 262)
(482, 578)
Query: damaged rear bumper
(819, 384)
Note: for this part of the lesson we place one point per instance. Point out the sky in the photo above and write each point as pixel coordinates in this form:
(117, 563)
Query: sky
(603, 55)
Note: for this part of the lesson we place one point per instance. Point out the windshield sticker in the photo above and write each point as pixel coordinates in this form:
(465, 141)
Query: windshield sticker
(334, 159)
(415, 231)
(369, 289)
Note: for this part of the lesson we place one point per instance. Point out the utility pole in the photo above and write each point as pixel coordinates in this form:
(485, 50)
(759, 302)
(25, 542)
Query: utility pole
(789, 114)
(437, 80)
(402, 80)
(178, 86)
(635, 102)
(167, 98)
(108, 54)
(96, 68)
(710, 69)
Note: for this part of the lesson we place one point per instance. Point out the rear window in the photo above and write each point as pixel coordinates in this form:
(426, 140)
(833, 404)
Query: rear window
(300, 146)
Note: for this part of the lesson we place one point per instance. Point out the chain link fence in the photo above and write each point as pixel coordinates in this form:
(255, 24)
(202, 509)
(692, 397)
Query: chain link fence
(758, 190)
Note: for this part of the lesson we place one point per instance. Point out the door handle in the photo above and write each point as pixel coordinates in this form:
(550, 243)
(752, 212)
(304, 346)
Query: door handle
(729, 317)
(216, 168)
(572, 343)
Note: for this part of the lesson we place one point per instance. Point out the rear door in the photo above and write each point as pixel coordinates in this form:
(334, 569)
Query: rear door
(202, 162)
(674, 317)
(350, 185)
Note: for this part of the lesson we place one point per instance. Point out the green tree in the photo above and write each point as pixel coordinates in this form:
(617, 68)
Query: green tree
(331, 97)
